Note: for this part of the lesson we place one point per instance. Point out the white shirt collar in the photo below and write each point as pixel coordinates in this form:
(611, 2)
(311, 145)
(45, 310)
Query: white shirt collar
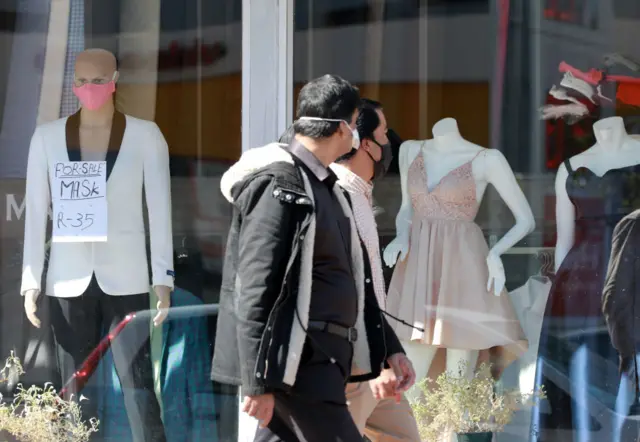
(350, 181)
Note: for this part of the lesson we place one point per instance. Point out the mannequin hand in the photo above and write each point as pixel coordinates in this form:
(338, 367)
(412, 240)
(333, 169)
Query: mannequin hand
(497, 278)
(30, 307)
(399, 245)
(164, 302)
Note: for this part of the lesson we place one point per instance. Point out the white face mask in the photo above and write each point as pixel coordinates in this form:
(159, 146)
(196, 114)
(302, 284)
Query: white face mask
(355, 137)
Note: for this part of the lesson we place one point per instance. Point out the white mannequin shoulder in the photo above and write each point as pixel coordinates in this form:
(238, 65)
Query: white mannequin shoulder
(409, 150)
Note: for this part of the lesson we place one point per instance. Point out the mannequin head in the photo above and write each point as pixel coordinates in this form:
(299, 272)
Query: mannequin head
(95, 77)
(445, 127)
(609, 132)
(373, 157)
(326, 117)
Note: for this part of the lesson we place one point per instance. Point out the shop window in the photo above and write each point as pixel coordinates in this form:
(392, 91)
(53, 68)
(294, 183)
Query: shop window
(559, 101)
(179, 65)
(334, 13)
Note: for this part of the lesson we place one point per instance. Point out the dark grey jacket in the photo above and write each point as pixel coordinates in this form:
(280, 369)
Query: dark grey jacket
(621, 294)
(267, 277)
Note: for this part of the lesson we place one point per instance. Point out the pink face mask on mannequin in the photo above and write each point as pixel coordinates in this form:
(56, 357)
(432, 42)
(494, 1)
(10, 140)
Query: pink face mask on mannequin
(93, 96)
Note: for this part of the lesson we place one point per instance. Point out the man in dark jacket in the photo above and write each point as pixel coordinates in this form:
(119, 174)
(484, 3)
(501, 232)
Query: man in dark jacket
(380, 410)
(293, 316)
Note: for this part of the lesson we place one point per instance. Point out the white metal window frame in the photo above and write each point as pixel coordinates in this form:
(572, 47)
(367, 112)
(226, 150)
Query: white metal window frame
(267, 70)
(267, 96)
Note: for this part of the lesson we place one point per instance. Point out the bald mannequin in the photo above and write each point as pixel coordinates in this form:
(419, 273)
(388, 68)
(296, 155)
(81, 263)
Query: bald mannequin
(93, 286)
(93, 66)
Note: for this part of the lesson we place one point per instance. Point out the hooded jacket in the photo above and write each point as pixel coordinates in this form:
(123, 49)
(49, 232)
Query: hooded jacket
(267, 275)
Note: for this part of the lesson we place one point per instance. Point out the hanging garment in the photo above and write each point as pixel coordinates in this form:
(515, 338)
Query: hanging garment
(184, 359)
(529, 302)
(441, 286)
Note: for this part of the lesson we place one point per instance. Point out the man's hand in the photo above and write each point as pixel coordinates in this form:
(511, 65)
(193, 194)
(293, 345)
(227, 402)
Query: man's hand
(403, 369)
(385, 385)
(260, 407)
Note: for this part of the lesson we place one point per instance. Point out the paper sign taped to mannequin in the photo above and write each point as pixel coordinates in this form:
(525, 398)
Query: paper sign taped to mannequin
(79, 197)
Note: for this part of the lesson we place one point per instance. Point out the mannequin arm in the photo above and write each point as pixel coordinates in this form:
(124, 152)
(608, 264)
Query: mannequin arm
(499, 174)
(157, 185)
(406, 155)
(37, 201)
(164, 302)
(400, 245)
(565, 217)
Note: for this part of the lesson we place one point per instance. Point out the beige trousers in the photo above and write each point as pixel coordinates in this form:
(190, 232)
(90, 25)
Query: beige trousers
(381, 421)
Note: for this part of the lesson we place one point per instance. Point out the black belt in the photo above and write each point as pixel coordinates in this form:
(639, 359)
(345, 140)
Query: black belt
(348, 333)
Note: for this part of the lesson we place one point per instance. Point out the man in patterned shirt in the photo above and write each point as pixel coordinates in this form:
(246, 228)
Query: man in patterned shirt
(380, 412)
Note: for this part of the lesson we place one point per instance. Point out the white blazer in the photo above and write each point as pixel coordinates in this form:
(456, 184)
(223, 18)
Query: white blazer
(138, 155)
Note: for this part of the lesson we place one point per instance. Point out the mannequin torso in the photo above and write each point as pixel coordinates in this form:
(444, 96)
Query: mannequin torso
(442, 155)
(614, 150)
(94, 140)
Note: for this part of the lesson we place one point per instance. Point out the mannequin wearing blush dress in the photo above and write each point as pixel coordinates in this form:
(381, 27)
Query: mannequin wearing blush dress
(441, 286)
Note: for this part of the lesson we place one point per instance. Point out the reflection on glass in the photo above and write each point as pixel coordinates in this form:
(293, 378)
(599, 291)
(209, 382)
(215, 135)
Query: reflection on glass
(178, 65)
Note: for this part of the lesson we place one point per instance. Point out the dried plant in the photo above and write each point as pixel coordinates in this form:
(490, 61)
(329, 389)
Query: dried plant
(39, 414)
(461, 404)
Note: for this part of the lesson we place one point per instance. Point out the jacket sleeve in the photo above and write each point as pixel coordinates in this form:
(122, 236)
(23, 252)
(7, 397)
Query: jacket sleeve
(157, 189)
(619, 292)
(37, 201)
(265, 239)
(392, 342)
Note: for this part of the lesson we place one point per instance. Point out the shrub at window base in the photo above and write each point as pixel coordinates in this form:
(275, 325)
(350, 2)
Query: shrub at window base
(39, 414)
(463, 405)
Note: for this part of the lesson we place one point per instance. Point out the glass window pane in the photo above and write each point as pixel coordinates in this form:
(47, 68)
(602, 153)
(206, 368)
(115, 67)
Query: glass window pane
(174, 128)
(544, 100)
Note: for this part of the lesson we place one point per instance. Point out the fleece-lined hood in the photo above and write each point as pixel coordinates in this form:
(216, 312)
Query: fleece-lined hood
(249, 162)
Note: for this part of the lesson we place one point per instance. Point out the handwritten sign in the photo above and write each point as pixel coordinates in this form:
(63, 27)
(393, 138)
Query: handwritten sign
(79, 195)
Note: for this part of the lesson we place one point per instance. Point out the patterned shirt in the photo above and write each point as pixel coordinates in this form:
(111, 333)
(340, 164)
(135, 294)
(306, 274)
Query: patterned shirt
(360, 192)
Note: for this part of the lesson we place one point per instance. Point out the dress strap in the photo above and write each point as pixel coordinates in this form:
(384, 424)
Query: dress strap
(567, 164)
(478, 154)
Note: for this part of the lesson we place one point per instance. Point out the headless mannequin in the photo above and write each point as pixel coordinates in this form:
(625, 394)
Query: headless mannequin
(445, 152)
(614, 149)
(95, 131)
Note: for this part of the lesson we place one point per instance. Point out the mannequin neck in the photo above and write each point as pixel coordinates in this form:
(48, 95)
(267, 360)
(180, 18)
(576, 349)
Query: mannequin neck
(446, 131)
(99, 117)
(610, 133)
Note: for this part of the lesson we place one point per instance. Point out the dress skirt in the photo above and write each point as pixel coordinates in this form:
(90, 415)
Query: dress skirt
(441, 288)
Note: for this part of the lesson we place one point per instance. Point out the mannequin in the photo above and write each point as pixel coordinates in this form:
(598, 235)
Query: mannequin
(450, 160)
(614, 149)
(92, 286)
(594, 191)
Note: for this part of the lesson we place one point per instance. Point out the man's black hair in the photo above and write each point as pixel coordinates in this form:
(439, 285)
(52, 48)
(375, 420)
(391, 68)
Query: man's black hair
(367, 122)
(287, 136)
(329, 96)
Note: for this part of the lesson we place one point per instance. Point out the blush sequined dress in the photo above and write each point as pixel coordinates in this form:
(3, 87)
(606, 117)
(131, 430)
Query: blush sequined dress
(441, 286)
